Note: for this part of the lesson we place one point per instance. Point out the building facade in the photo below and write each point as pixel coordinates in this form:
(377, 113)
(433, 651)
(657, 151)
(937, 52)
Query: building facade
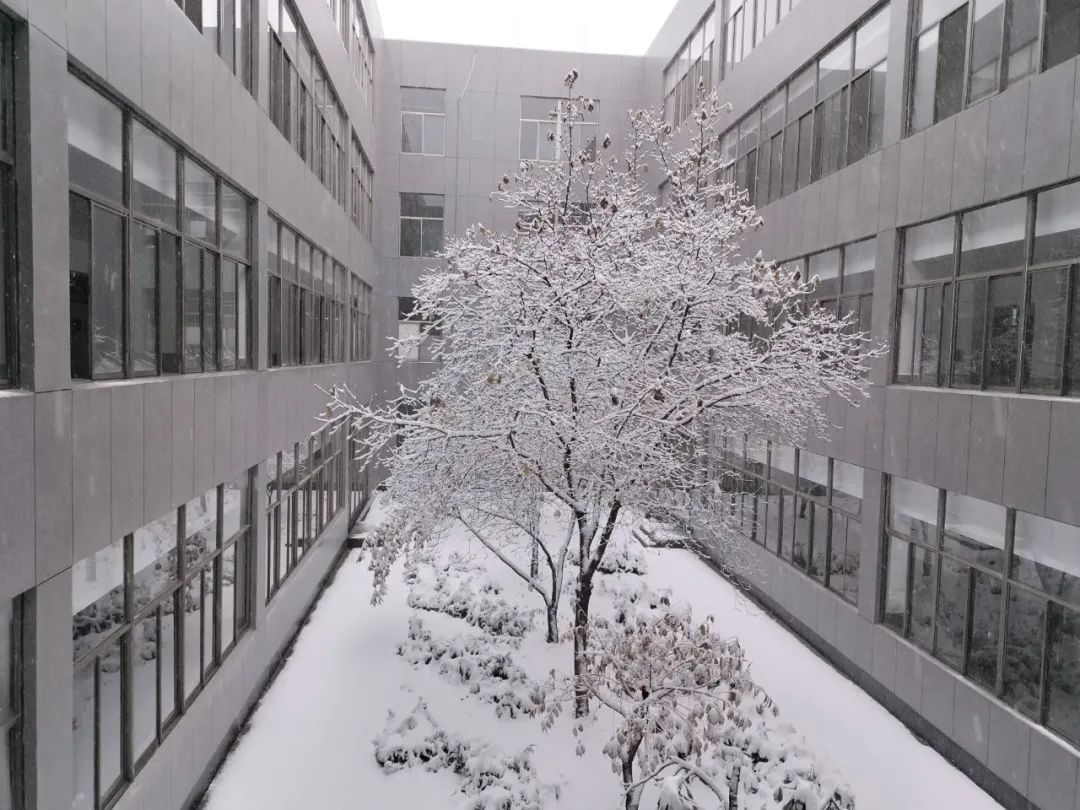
(244, 193)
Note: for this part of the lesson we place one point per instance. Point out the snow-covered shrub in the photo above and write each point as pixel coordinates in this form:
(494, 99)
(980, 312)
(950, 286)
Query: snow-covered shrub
(624, 556)
(692, 717)
(475, 602)
(479, 662)
(490, 779)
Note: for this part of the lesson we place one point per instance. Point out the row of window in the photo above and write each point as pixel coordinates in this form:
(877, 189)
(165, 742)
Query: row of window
(825, 117)
(153, 616)
(746, 23)
(160, 280)
(303, 104)
(690, 67)
(229, 25)
(992, 592)
(308, 295)
(964, 51)
(11, 740)
(363, 189)
(991, 298)
(305, 489)
(421, 224)
(355, 36)
(804, 507)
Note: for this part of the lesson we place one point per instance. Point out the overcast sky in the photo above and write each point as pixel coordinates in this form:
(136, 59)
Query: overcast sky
(592, 26)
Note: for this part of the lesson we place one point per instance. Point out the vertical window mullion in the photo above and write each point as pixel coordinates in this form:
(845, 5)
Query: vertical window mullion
(938, 542)
(1070, 314)
(127, 765)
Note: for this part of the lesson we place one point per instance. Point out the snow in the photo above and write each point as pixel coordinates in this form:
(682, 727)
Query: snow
(312, 740)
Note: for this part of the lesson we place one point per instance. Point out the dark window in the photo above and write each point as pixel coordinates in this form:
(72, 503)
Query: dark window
(423, 120)
(8, 270)
(421, 224)
(1062, 31)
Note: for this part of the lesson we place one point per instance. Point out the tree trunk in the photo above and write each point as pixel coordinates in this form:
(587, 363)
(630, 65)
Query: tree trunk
(553, 620)
(534, 563)
(581, 641)
(632, 795)
(733, 788)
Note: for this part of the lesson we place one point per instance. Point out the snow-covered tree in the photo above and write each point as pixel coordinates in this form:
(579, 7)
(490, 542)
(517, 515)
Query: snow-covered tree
(585, 352)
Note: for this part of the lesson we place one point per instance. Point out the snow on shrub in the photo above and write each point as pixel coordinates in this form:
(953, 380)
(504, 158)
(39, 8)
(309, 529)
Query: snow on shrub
(458, 594)
(490, 779)
(479, 662)
(691, 718)
(624, 556)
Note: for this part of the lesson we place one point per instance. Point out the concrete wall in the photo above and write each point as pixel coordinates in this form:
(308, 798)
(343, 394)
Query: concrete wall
(82, 463)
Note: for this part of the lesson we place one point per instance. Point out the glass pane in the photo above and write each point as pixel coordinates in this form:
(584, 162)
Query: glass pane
(859, 125)
(1072, 370)
(192, 307)
(192, 634)
(1022, 674)
(1004, 330)
(1063, 672)
(922, 85)
(234, 221)
(107, 292)
(236, 509)
(933, 10)
(1062, 32)
(428, 100)
(155, 559)
(167, 653)
(169, 336)
(952, 605)
(974, 529)
(431, 236)
(410, 237)
(153, 169)
(1057, 224)
(896, 584)
(144, 641)
(985, 626)
(834, 69)
(806, 148)
(919, 348)
(200, 527)
(993, 237)
(82, 730)
(209, 312)
(228, 596)
(412, 132)
(928, 251)
(913, 510)
(872, 40)
(434, 134)
(800, 94)
(949, 95)
(97, 597)
(877, 108)
(143, 300)
(1046, 557)
(988, 23)
(826, 267)
(970, 317)
(1044, 338)
(209, 589)
(200, 202)
(859, 261)
(847, 491)
(923, 573)
(95, 130)
(243, 356)
(1023, 40)
(228, 314)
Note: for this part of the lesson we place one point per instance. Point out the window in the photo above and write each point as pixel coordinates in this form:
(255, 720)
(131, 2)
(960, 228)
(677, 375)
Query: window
(307, 296)
(305, 488)
(948, 588)
(993, 308)
(229, 26)
(157, 609)
(802, 506)
(363, 181)
(360, 304)
(964, 52)
(303, 103)
(423, 121)
(11, 743)
(151, 265)
(362, 53)
(692, 66)
(421, 224)
(8, 271)
(549, 124)
(825, 117)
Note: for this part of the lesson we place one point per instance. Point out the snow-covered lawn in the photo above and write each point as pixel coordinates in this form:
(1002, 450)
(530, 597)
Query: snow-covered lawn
(311, 741)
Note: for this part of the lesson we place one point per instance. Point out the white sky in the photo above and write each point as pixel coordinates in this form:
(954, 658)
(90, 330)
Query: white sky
(591, 26)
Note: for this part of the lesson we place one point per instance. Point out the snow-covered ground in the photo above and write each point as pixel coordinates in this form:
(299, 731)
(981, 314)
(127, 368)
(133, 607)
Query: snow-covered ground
(310, 744)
